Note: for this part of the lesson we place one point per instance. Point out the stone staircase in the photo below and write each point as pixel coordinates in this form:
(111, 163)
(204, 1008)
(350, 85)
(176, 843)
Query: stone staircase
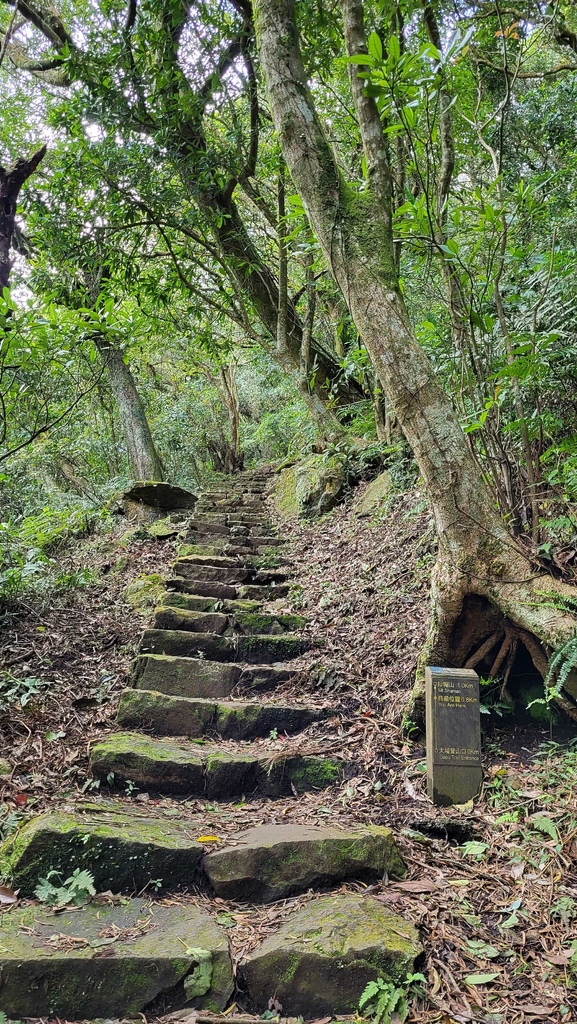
(184, 733)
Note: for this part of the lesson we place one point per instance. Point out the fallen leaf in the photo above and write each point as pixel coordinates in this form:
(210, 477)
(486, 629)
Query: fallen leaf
(208, 839)
(7, 896)
(425, 885)
(480, 979)
(20, 799)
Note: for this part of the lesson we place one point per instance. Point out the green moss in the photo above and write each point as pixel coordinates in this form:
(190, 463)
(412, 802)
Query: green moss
(256, 623)
(284, 494)
(144, 592)
(315, 773)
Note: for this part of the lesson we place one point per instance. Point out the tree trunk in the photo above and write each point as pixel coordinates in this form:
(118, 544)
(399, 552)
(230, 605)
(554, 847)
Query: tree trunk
(11, 181)
(482, 577)
(144, 460)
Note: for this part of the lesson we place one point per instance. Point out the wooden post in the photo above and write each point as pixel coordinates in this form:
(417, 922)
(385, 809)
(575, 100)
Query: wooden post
(453, 722)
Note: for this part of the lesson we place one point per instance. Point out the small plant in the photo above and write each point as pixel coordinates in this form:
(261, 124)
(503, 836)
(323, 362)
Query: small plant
(14, 691)
(273, 734)
(383, 998)
(9, 821)
(76, 890)
(474, 849)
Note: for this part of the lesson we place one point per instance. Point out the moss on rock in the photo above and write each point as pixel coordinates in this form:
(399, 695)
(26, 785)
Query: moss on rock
(144, 592)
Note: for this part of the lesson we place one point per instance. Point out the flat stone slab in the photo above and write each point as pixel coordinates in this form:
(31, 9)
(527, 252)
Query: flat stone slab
(167, 766)
(181, 716)
(159, 495)
(256, 649)
(206, 588)
(195, 622)
(110, 961)
(184, 677)
(270, 862)
(324, 955)
(194, 603)
(122, 851)
(248, 623)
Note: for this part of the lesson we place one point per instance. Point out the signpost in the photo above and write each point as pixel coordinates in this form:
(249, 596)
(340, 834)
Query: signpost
(453, 721)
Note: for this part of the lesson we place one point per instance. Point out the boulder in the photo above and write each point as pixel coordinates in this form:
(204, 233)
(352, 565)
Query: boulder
(374, 495)
(324, 955)
(158, 495)
(144, 592)
(112, 961)
(311, 487)
(270, 862)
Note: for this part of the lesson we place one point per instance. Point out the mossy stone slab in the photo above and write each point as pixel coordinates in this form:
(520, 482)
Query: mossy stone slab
(222, 561)
(194, 603)
(122, 851)
(161, 766)
(203, 588)
(159, 495)
(167, 715)
(270, 862)
(256, 649)
(184, 677)
(192, 570)
(167, 766)
(105, 961)
(324, 955)
(251, 623)
(194, 622)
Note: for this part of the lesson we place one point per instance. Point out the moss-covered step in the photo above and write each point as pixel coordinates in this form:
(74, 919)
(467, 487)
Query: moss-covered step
(256, 649)
(123, 851)
(194, 622)
(189, 567)
(181, 716)
(184, 677)
(207, 588)
(112, 961)
(167, 766)
(270, 862)
(194, 603)
(197, 526)
(324, 955)
(247, 622)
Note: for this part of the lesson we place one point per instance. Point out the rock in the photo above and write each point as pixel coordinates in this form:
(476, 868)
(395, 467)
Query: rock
(319, 484)
(256, 649)
(5, 767)
(144, 592)
(180, 716)
(162, 529)
(324, 955)
(132, 954)
(251, 622)
(122, 851)
(194, 622)
(374, 495)
(270, 862)
(193, 603)
(184, 677)
(159, 495)
(165, 766)
(202, 588)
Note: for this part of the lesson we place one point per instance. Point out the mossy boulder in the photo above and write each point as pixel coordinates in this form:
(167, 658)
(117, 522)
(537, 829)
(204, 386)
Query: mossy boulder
(324, 955)
(163, 529)
(271, 862)
(55, 967)
(123, 851)
(144, 592)
(319, 484)
(184, 677)
(374, 495)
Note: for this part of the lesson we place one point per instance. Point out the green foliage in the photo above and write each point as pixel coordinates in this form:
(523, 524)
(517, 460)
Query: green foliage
(16, 692)
(384, 1001)
(76, 890)
(9, 822)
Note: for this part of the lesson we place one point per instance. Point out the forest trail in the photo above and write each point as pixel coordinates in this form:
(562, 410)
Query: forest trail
(210, 641)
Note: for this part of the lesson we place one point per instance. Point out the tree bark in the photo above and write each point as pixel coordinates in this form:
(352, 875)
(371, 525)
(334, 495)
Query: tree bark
(144, 460)
(11, 181)
(481, 573)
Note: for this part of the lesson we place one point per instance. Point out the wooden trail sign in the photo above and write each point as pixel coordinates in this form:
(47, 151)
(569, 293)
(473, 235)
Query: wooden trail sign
(453, 722)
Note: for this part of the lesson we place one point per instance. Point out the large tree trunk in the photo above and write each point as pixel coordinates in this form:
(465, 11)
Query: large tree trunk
(11, 181)
(484, 587)
(144, 460)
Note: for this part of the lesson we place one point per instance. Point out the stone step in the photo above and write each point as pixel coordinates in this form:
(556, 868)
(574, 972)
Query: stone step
(111, 961)
(324, 954)
(211, 771)
(168, 715)
(256, 649)
(193, 603)
(188, 568)
(271, 862)
(247, 623)
(197, 677)
(185, 677)
(207, 588)
(122, 850)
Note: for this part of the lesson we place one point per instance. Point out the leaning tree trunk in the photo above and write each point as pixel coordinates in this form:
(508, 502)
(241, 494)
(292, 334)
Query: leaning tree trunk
(487, 596)
(11, 181)
(144, 460)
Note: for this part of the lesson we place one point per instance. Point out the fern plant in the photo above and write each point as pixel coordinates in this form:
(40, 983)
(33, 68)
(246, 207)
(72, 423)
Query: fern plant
(562, 662)
(383, 998)
(76, 890)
